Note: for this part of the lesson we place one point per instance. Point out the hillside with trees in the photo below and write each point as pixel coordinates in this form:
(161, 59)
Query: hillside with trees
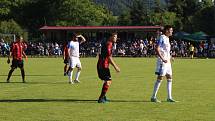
(27, 16)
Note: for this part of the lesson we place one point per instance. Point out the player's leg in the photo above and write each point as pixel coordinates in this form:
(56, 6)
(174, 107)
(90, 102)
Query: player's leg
(65, 66)
(169, 84)
(160, 72)
(77, 75)
(105, 88)
(21, 66)
(9, 74)
(79, 68)
(70, 70)
(65, 69)
(13, 67)
(70, 73)
(169, 89)
(156, 88)
(23, 74)
(104, 74)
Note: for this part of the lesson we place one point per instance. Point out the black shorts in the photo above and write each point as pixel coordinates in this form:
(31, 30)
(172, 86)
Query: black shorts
(104, 73)
(66, 61)
(17, 63)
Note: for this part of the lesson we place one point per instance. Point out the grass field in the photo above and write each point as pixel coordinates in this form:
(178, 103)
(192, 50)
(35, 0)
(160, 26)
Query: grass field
(47, 96)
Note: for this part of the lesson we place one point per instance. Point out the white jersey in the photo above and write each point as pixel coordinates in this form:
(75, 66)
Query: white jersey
(74, 48)
(164, 45)
(164, 68)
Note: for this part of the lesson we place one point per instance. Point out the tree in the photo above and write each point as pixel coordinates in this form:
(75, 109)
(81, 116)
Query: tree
(185, 10)
(33, 14)
(204, 20)
(82, 12)
(10, 27)
(139, 14)
(124, 19)
(164, 18)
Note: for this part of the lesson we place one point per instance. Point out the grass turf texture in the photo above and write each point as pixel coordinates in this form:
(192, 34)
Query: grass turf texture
(48, 96)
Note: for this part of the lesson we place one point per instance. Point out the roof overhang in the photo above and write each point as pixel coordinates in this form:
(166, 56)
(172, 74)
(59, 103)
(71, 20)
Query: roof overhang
(113, 28)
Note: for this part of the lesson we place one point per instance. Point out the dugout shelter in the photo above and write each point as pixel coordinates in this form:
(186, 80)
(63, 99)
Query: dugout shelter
(61, 33)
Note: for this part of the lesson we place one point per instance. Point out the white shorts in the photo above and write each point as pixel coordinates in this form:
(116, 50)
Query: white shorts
(163, 69)
(74, 62)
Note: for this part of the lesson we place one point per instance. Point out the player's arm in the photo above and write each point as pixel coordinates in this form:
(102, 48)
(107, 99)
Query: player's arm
(82, 38)
(64, 53)
(24, 55)
(68, 50)
(111, 61)
(157, 49)
(10, 54)
(8, 59)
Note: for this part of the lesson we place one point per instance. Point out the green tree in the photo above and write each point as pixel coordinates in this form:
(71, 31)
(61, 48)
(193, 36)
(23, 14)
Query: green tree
(82, 12)
(4, 8)
(185, 10)
(10, 27)
(124, 19)
(139, 13)
(33, 14)
(204, 20)
(164, 18)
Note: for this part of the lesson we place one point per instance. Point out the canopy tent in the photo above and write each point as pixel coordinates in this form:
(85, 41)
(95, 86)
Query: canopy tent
(181, 35)
(197, 36)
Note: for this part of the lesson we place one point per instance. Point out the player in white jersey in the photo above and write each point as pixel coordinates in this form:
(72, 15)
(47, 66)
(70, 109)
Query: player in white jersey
(163, 64)
(74, 61)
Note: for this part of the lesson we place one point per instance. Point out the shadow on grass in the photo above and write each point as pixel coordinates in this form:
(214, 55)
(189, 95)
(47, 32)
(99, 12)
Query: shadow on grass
(38, 82)
(34, 75)
(70, 100)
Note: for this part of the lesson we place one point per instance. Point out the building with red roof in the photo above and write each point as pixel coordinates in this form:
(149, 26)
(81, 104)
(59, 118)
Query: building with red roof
(61, 33)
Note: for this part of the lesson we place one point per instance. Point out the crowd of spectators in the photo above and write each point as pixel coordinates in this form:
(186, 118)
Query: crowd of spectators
(130, 48)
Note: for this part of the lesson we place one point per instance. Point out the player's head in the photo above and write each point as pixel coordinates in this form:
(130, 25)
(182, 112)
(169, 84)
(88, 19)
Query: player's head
(19, 38)
(74, 37)
(168, 30)
(113, 37)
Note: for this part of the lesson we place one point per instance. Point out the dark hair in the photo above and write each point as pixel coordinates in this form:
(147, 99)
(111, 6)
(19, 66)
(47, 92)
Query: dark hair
(73, 34)
(167, 27)
(18, 36)
(114, 33)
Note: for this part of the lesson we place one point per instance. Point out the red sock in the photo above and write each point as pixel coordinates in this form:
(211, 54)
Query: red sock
(104, 90)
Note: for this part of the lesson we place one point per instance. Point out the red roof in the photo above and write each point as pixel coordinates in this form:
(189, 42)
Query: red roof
(99, 27)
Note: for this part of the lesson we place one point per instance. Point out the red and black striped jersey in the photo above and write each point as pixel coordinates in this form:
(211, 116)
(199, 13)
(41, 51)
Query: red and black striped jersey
(17, 50)
(106, 52)
(65, 50)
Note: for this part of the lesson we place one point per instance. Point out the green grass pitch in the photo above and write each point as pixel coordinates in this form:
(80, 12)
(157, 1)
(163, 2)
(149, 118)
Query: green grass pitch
(47, 96)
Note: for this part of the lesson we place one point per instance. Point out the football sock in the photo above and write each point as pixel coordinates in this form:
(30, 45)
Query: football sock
(23, 74)
(156, 88)
(169, 88)
(104, 90)
(9, 74)
(77, 74)
(70, 75)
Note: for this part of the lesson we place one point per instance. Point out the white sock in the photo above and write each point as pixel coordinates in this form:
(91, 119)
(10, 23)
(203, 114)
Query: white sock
(77, 74)
(70, 75)
(156, 88)
(169, 88)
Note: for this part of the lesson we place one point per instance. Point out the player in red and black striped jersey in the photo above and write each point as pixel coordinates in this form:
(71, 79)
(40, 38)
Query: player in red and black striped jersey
(17, 52)
(65, 57)
(105, 58)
